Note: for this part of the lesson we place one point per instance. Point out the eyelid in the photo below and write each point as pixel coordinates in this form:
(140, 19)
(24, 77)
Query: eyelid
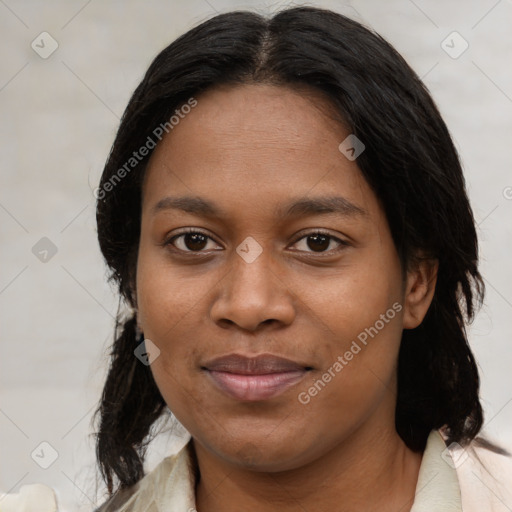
(317, 231)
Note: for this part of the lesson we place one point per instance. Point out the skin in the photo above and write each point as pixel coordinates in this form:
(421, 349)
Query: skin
(251, 150)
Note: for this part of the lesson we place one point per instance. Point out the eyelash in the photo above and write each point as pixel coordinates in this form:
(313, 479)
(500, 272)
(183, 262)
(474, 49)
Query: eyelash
(169, 242)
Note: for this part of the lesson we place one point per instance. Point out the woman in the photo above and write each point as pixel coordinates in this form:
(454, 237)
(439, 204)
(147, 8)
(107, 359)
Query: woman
(285, 213)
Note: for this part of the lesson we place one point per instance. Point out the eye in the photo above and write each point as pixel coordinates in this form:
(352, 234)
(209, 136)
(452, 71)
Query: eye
(320, 241)
(190, 240)
(194, 241)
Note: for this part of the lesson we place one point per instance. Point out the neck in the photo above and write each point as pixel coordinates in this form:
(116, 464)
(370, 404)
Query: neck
(364, 472)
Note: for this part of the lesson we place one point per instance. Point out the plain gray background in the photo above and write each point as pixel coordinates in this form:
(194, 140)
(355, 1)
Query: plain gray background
(59, 118)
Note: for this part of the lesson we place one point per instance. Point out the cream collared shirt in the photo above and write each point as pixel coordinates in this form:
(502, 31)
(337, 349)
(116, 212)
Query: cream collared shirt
(450, 480)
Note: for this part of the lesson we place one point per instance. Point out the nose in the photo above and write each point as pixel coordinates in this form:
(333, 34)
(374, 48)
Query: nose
(253, 293)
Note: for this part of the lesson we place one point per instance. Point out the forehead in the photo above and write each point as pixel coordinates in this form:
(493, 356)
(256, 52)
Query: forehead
(257, 144)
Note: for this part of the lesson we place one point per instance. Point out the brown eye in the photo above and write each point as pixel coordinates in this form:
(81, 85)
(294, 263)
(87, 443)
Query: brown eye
(190, 241)
(319, 242)
(194, 241)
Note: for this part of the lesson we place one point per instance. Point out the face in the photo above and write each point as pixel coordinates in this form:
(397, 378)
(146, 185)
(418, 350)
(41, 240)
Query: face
(285, 251)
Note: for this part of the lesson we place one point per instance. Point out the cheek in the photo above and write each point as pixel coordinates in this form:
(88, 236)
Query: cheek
(359, 356)
(165, 310)
(359, 309)
(164, 295)
(351, 300)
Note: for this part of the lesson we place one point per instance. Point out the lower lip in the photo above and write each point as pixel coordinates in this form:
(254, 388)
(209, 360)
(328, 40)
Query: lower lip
(255, 387)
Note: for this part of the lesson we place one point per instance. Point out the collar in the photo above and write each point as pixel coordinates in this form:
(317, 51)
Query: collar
(171, 485)
(438, 487)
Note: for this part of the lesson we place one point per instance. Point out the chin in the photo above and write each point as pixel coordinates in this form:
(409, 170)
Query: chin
(259, 454)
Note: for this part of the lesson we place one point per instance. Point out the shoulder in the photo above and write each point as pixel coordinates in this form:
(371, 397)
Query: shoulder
(170, 483)
(485, 477)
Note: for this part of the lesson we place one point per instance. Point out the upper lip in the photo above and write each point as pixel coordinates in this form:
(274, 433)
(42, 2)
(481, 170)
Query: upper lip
(255, 365)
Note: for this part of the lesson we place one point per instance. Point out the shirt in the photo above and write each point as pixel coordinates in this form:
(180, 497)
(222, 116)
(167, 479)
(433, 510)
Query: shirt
(450, 479)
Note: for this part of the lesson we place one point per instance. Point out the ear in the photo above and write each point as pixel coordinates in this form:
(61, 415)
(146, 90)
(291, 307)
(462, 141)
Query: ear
(419, 291)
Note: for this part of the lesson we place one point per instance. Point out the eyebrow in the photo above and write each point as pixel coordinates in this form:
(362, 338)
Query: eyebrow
(298, 207)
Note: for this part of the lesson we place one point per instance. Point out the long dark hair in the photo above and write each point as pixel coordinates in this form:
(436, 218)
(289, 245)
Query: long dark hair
(409, 161)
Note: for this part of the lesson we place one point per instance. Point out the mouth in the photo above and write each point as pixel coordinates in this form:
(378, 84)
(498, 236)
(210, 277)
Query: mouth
(254, 378)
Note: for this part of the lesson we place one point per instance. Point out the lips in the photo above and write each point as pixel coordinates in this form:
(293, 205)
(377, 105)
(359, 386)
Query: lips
(254, 378)
(259, 365)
